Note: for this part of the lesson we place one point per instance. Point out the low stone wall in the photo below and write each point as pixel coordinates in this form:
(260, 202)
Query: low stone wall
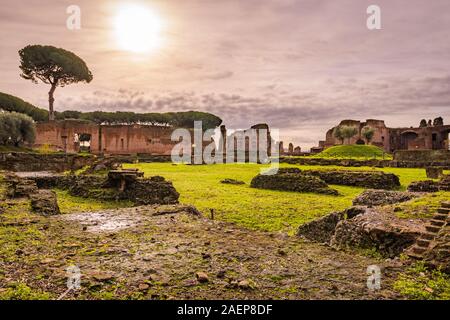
(372, 198)
(365, 179)
(422, 155)
(445, 164)
(431, 185)
(292, 179)
(140, 191)
(58, 162)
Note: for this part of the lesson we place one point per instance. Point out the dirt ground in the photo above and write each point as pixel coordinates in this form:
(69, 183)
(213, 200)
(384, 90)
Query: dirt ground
(157, 252)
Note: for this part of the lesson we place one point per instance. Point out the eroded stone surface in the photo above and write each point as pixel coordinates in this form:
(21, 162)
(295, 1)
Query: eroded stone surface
(384, 232)
(44, 202)
(292, 179)
(382, 197)
(365, 179)
(365, 228)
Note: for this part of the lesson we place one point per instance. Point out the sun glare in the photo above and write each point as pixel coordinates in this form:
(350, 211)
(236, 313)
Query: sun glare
(138, 29)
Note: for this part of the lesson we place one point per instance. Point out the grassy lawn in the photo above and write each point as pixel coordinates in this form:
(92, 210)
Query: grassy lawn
(255, 208)
(68, 203)
(360, 152)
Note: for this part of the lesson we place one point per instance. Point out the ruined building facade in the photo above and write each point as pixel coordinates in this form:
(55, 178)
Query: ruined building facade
(104, 139)
(428, 137)
(73, 136)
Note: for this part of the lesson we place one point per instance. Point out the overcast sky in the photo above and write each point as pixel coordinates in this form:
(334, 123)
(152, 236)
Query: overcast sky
(298, 65)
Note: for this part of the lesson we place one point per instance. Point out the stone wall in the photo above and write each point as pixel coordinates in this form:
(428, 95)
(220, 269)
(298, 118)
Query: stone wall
(422, 155)
(365, 163)
(23, 161)
(105, 139)
(392, 139)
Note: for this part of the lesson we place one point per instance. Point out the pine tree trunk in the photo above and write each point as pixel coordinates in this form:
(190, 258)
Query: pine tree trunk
(51, 113)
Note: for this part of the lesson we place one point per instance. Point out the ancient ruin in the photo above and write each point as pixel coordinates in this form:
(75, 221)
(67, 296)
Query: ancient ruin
(430, 137)
(104, 139)
(365, 228)
(365, 179)
(117, 185)
(292, 179)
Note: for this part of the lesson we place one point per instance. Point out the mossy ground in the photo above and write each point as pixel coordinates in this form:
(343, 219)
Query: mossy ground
(420, 283)
(35, 250)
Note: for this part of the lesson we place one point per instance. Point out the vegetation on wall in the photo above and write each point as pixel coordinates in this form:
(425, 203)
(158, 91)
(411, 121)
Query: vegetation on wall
(367, 133)
(345, 132)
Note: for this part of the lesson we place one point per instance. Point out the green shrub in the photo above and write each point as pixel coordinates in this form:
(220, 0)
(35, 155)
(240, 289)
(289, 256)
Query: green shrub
(16, 128)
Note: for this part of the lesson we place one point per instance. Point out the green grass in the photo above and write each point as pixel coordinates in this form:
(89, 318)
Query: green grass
(14, 149)
(419, 283)
(353, 152)
(267, 210)
(20, 291)
(423, 207)
(68, 203)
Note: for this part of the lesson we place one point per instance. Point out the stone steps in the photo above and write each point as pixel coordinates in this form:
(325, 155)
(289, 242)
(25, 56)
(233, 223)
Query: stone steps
(434, 225)
(437, 223)
(423, 243)
(428, 235)
(432, 229)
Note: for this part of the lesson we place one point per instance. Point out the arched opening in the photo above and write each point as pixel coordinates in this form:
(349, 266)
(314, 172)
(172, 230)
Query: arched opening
(408, 140)
(82, 142)
(360, 141)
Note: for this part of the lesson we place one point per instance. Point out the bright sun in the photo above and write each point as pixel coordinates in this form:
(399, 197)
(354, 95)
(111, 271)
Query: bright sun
(138, 29)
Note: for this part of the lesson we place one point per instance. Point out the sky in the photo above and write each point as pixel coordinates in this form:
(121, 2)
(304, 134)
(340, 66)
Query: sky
(300, 66)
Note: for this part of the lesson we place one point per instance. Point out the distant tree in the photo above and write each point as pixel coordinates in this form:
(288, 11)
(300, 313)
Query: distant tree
(68, 114)
(337, 133)
(367, 133)
(16, 128)
(175, 119)
(54, 66)
(14, 104)
(348, 132)
(438, 121)
(423, 123)
(430, 124)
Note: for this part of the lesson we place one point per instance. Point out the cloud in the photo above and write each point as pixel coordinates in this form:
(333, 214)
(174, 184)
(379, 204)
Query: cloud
(299, 65)
(219, 75)
(301, 118)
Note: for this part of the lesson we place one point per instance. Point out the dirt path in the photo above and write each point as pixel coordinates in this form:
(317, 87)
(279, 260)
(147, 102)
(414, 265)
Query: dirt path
(155, 253)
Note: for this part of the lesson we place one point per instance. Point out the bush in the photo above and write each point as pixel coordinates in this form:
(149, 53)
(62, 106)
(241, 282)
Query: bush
(16, 129)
